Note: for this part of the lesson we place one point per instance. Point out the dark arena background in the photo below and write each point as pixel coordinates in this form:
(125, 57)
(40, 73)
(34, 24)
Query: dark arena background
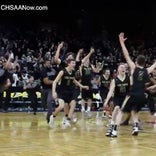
(81, 24)
(30, 34)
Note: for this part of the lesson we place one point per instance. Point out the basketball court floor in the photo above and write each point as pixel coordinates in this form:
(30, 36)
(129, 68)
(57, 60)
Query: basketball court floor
(23, 134)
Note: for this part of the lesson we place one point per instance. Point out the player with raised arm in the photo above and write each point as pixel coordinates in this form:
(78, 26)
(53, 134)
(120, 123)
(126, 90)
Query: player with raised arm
(136, 98)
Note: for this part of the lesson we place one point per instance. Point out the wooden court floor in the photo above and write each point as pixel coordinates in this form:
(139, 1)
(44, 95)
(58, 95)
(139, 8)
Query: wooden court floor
(23, 134)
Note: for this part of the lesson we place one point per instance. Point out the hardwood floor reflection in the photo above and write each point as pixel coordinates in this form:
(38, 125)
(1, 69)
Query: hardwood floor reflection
(25, 134)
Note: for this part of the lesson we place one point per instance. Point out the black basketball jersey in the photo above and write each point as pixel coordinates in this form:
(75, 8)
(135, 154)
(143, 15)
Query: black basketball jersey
(105, 83)
(139, 78)
(67, 80)
(122, 87)
(86, 75)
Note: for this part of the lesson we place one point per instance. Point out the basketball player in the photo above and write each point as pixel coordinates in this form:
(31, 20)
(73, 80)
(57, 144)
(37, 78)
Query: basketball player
(105, 81)
(119, 87)
(136, 98)
(86, 76)
(66, 95)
